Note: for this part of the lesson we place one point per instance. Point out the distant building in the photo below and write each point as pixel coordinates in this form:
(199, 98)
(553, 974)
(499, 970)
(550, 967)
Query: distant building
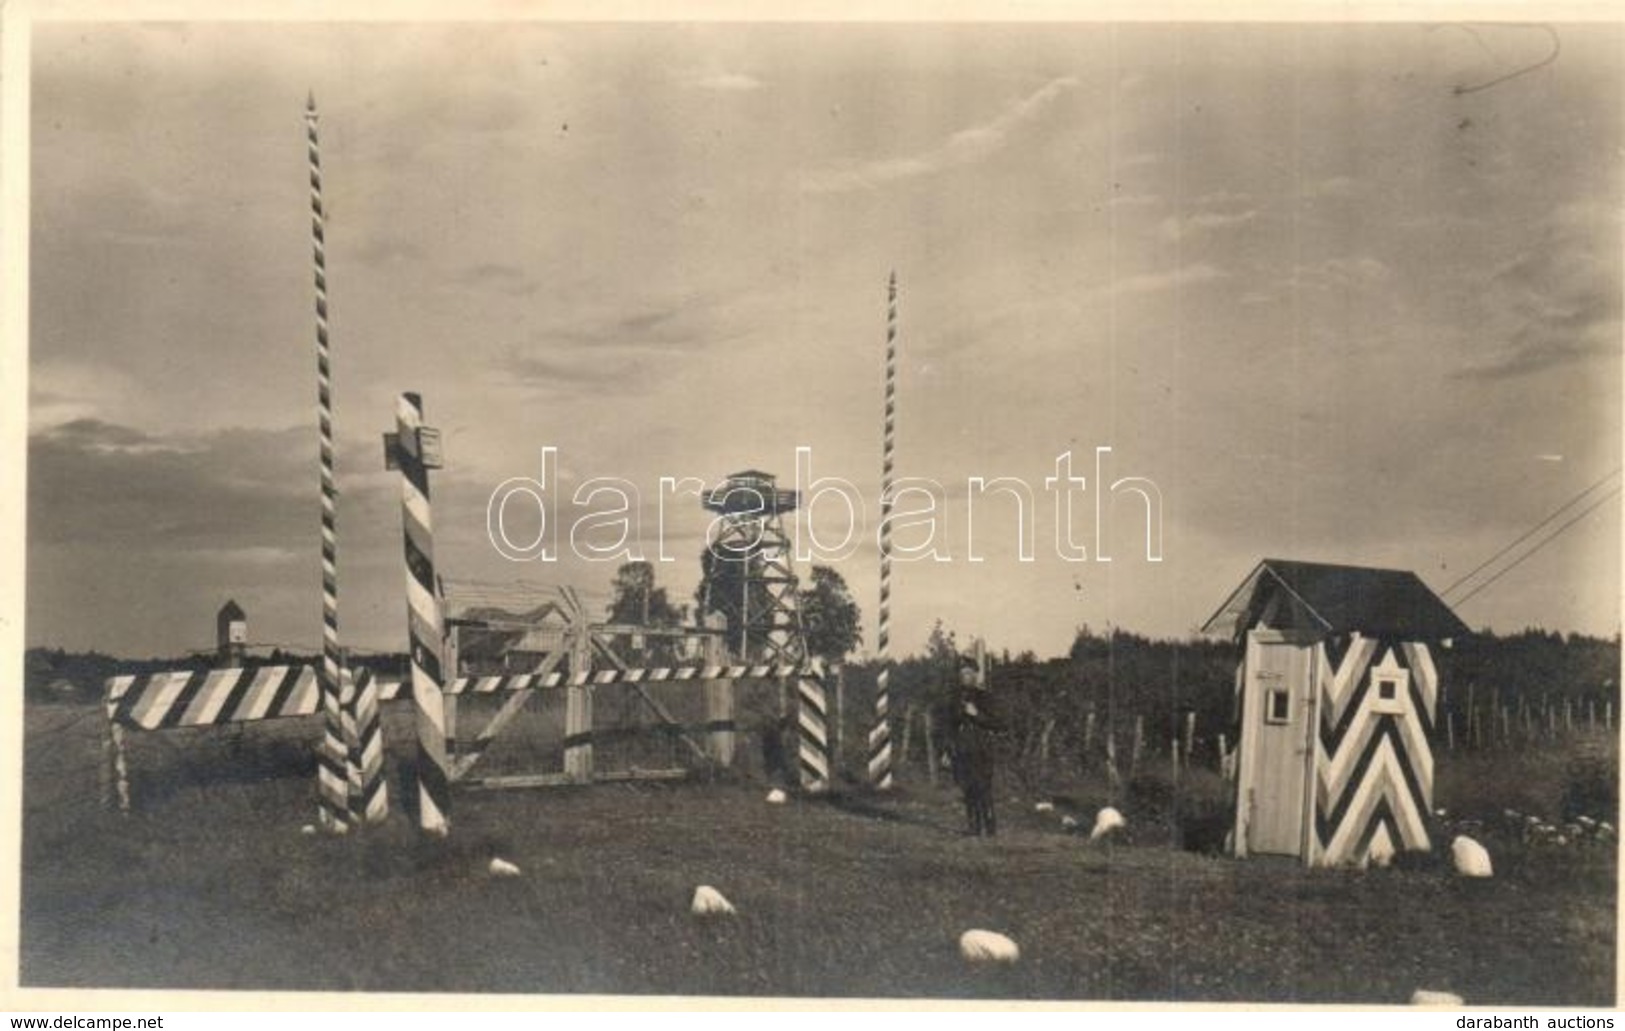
(231, 633)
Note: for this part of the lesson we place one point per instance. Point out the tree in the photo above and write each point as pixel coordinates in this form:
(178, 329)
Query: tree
(830, 618)
(637, 601)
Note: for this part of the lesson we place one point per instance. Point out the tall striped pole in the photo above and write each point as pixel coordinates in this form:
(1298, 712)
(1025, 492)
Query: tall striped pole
(331, 775)
(880, 736)
(405, 450)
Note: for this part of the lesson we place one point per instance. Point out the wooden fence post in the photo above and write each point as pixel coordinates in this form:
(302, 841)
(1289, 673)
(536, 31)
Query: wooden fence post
(578, 707)
(1112, 775)
(720, 728)
(1472, 716)
(838, 742)
(908, 733)
(930, 748)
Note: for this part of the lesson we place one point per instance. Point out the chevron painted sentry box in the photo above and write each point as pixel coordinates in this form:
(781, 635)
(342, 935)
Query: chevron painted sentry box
(1337, 694)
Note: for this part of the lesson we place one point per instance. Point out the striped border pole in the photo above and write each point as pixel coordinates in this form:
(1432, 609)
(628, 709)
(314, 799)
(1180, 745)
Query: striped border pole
(352, 742)
(331, 759)
(371, 803)
(116, 768)
(880, 771)
(424, 623)
(813, 719)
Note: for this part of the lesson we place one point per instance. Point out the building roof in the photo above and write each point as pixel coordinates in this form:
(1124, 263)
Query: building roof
(231, 610)
(1333, 599)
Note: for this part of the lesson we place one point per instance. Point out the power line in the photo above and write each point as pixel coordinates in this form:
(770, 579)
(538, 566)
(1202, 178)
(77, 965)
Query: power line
(1570, 503)
(1555, 535)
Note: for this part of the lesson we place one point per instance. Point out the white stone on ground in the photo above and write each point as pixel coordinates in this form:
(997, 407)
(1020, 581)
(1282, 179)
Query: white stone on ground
(309, 828)
(1470, 857)
(978, 946)
(708, 901)
(775, 797)
(1044, 807)
(1106, 821)
(1069, 822)
(502, 868)
(1424, 997)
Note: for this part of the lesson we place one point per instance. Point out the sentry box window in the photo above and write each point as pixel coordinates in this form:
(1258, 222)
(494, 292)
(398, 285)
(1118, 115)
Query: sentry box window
(1388, 689)
(1277, 705)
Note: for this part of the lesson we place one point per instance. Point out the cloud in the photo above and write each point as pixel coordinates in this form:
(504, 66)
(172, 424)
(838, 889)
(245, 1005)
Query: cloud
(1346, 273)
(1337, 187)
(1175, 228)
(97, 482)
(93, 436)
(684, 322)
(1135, 200)
(1554, 305)
(623, 372)
(381, 249)
(508, 279)
(1534, 353)
(728, 82)
(617, 349)
(1221, 199)
(965, 147)
(1189, 275)
(61, 391)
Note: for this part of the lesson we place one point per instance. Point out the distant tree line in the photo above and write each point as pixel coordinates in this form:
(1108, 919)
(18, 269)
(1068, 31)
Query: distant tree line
(1117, 690)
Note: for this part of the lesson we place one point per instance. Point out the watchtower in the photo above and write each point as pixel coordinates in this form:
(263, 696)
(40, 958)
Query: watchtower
(754, 552)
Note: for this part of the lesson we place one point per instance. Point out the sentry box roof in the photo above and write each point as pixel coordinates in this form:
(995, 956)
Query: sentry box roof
(1336, 600)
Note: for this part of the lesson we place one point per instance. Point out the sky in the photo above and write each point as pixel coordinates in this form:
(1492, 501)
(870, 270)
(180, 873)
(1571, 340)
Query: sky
(1343, 293)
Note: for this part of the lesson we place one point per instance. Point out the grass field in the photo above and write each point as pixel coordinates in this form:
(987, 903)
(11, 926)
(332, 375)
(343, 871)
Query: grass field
(212, 885)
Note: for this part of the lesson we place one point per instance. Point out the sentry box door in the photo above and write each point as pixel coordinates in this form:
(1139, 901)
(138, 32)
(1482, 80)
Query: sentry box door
(1276, 745)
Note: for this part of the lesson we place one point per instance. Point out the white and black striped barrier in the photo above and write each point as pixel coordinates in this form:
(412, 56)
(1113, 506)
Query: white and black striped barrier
(174, 699)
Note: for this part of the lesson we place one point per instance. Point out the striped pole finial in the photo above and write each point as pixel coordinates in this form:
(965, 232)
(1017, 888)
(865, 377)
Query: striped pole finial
(332, 776)
(424, 623)
(880, 762)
